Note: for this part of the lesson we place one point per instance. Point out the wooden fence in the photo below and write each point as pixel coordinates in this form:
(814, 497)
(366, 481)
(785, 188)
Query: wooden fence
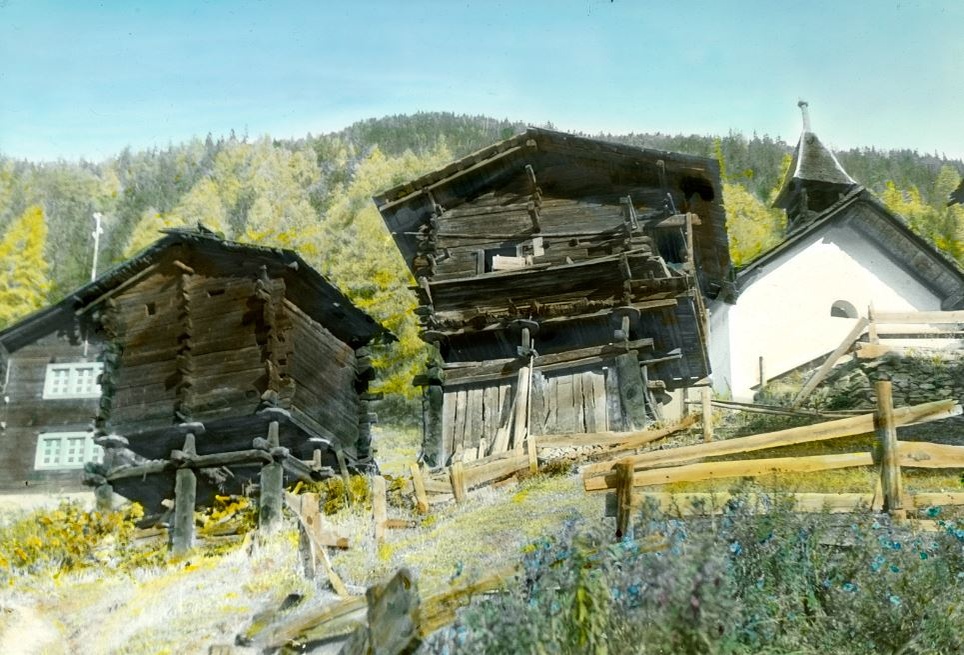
(685, 464)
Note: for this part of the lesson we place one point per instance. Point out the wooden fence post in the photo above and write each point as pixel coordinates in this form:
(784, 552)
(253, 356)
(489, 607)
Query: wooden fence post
(706, 397)
(457, 477)
(272, 485)
(421, 498)
(185, 496)
(886, 433)
(624, 499)
(345, 477)
(379, 507)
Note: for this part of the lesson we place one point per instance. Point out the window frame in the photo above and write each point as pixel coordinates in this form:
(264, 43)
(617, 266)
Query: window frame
(91, 451)
(50, 391)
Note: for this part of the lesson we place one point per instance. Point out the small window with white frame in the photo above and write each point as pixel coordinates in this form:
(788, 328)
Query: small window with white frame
(66, 450)
(73, 380)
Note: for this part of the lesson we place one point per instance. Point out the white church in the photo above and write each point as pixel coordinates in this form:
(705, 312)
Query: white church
(844, 253)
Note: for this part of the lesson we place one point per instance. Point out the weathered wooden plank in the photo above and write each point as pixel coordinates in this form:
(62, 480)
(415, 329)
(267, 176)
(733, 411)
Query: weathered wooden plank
(614, 414)
(902, 318)
(846, 427)
(475, 409)
(886, 444)
(922, 499)
(418, 482)
(735, 469)
(565, 414)
(379, 506)
(461, 419)
(917, 454)
(448, 425)
(457, 478)
(468, 372)
(828, 364)
(701, 504)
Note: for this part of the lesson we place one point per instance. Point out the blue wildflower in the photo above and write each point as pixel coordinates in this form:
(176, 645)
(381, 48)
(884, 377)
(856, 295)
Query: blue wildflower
(736, 548)
(877, 563)
(933, 511)
(849, 586)
(923, 555)
(894, 600)
(895, 545)
(894, 568)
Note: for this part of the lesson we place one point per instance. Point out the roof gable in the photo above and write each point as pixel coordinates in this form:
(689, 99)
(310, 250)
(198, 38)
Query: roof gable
(888, 231)
(314, 294)
(587, 173)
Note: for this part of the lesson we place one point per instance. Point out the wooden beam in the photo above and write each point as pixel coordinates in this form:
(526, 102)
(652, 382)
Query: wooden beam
(185, 498)
(706, 416)
(454, 176)
(272, 486)
(457, 479)
(480, 371)
(418, 483)
(828, 364)
(886, 443)
(624, 499)
(918, 454)
(845, 427)
(702, 503)
(922, 500)
(901, 318)
(735, 469)
(379, 507)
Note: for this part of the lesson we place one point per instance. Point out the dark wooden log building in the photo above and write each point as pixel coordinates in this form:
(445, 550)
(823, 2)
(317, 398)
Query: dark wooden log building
(197, 331)
(563, 281)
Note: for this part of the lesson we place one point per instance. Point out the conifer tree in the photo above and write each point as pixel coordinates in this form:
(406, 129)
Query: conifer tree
(24, 284)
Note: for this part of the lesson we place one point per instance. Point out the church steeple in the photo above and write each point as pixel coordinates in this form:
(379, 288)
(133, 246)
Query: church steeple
(815, 179)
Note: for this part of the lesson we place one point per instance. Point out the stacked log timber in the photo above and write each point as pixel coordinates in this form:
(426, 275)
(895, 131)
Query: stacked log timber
(560, 282)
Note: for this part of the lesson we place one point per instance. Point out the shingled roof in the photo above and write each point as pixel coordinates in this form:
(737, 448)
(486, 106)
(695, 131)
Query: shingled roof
(812, 162)
(318, 297)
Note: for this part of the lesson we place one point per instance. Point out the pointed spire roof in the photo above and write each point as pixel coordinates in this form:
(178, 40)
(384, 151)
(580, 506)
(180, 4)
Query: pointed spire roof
(812, 163)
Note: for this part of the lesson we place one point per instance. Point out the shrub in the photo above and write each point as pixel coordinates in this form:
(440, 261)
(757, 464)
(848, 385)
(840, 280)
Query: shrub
(65, 538)
(744, 582)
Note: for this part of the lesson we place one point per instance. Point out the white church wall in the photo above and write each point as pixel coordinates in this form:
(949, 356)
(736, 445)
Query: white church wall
(784, 313)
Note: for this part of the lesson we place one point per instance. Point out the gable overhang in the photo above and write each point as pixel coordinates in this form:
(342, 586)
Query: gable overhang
(409, 208)
(914, 254)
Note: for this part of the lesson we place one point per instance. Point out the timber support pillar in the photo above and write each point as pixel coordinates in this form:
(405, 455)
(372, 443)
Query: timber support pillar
(185, 490)
(272, 474)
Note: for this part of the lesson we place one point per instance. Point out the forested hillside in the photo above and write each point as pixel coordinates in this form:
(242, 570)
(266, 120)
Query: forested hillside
(313, 194)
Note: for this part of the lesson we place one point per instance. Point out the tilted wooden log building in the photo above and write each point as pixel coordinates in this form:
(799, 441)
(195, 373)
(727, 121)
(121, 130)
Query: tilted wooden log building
(194, 334)
(563, 280)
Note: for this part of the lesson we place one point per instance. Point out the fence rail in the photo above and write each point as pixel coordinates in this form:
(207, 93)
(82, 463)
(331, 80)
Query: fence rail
(681, 465)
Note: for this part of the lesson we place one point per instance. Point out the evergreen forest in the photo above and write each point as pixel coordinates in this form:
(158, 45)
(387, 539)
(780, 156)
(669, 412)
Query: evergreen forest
(313, 194)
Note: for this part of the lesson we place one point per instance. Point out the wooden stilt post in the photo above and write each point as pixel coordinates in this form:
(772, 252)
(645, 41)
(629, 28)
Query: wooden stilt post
(706, 396)
(421, 498)
(521, 423)
(886, 433)
(624, 499)
(272, 485)
(379, 507)
(104, 498)
(185, 496)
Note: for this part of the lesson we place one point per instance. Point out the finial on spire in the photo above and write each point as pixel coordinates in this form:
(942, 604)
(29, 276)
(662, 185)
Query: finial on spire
(803, 105)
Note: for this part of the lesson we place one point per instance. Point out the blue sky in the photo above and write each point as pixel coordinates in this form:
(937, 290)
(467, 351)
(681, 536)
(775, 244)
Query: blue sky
(85, 79)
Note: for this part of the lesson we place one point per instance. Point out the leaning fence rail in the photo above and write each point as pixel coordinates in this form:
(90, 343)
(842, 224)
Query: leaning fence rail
(686, 464)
